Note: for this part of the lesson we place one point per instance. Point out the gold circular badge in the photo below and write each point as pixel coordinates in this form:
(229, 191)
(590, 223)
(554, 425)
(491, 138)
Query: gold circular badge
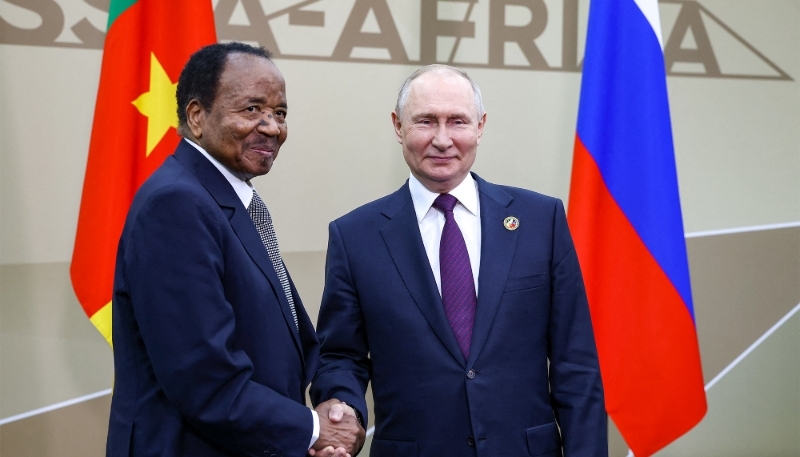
(511, 223)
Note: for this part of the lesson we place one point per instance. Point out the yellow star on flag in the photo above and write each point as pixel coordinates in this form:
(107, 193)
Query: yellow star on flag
(158, 105)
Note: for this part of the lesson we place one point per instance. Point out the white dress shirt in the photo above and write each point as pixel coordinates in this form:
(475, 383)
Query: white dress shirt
(244, 190)
(467, 214)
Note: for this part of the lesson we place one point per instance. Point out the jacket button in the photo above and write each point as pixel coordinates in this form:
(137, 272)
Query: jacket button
(471, 441)
(471, 374)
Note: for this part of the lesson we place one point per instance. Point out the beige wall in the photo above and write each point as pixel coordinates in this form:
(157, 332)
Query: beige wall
(736, 121)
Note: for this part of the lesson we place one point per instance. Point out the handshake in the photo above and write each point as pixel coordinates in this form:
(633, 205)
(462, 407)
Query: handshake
(340, 433)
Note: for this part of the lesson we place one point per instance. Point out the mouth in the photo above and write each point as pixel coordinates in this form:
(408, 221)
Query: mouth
(264, 150)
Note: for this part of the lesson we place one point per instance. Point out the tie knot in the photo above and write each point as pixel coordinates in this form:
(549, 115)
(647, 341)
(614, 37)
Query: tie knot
(445, 202)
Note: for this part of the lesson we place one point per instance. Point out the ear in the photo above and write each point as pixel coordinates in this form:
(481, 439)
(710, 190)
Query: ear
(481, 123)
(196, 118)
(397, 127)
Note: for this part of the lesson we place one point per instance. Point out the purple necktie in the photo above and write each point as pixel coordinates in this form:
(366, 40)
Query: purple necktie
(458, 285)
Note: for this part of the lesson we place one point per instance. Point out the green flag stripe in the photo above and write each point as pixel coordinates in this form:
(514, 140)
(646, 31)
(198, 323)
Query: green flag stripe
(116, 8)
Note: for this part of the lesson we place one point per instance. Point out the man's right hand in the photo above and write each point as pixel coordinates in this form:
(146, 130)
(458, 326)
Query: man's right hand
(338, 427)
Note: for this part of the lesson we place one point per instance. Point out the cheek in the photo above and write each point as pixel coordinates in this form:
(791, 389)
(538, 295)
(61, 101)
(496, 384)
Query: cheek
(417, 140)
(241, 129)
(284, 133)
(466, 142)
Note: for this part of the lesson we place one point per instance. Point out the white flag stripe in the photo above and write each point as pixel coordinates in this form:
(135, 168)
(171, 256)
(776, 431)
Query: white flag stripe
(650, 10)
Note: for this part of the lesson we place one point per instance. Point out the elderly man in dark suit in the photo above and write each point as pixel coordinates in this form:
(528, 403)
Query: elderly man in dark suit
(460, 300)
(213, 349)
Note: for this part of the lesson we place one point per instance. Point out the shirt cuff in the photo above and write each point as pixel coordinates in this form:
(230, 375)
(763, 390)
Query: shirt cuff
(315, 433)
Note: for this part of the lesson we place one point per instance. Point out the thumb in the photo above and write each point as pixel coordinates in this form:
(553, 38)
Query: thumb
(336, 412)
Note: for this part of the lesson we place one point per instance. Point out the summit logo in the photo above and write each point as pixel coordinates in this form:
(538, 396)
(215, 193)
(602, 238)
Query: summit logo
(533, 35)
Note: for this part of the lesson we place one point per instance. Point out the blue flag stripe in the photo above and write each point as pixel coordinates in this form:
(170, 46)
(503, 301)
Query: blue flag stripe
(624, 78)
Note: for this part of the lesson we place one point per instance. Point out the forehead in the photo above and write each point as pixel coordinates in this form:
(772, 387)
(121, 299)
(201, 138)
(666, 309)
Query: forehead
(247, 73)
(442, 90)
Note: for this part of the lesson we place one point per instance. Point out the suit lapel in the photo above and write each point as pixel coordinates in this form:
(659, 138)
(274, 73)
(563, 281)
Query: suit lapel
(240, 221)
(404, 242)
(497, 252)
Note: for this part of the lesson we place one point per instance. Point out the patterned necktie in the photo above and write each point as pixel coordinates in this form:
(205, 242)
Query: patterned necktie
(458, 285)
(260, 215)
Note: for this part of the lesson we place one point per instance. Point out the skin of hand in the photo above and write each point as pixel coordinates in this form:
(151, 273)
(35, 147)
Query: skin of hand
(338, 428)
(329, 452)
(339, 410)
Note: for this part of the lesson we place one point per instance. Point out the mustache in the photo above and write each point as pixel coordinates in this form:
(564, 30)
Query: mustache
(269, 143)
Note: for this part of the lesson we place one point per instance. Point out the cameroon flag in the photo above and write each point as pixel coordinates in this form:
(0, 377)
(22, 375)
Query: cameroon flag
(147, 44)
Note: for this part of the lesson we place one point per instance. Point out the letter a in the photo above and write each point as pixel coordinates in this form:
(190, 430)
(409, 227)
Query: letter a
(352, 36)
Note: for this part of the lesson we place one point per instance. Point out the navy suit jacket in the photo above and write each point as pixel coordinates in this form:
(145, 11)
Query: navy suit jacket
(207, 358)
(382, 321)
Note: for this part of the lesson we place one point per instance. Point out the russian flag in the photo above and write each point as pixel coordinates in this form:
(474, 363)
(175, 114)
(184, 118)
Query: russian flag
(625, 217)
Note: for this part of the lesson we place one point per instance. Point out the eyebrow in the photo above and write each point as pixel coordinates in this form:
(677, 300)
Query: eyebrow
(262, 100)
(456, 115)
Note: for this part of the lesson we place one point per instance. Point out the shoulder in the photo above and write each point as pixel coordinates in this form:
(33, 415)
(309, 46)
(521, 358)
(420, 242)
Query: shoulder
(377, 210)
(170, 180)
(516, 196)
(171, 192)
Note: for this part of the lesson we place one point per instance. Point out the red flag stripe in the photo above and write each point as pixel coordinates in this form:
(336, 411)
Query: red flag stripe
(646, 391)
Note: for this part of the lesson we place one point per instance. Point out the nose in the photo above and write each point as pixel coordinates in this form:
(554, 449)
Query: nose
(441, 138)
(268, 125)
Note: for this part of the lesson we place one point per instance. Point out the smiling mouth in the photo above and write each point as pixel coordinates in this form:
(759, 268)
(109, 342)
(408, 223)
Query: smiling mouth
(263, 151)
(267, 150)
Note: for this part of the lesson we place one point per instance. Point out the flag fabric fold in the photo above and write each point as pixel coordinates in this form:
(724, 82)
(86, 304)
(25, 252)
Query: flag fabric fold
(146, 46)
(625, 217)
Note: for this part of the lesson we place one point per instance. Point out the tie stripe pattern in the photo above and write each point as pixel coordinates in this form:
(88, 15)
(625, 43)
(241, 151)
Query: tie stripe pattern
(458, 285)
(260, 214)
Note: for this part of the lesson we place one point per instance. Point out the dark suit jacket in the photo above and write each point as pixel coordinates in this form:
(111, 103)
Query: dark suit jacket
(207, 358)
(382, 320)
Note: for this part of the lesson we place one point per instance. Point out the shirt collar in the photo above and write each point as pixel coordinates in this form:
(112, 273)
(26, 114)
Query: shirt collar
(243, 189)
(466, 193)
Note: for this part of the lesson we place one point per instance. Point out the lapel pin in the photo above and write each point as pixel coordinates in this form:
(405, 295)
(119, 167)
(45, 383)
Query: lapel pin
(511, 223)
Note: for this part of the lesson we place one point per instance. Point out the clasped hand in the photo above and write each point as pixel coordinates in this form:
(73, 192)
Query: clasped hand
(340, 433)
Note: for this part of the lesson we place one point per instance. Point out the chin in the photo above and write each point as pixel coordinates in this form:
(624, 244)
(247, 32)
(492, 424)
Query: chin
(258, 169)
(259, 172)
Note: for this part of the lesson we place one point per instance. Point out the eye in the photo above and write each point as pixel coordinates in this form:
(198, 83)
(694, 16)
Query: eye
(280, 113)
(251, 109)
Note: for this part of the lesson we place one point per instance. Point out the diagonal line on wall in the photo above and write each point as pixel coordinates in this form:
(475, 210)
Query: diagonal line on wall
(752, 228)
(54, 406)
(753, 346)
(747, 352)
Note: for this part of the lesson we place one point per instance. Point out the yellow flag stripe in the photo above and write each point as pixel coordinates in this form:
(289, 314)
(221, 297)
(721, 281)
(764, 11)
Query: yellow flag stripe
(102, 320)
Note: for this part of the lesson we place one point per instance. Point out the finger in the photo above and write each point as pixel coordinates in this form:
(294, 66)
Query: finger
(336, 412)
(326, 452)
(348, 409)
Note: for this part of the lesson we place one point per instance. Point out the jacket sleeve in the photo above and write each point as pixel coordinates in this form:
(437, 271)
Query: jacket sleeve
(174, 261)
(345, 368)
(576, 387)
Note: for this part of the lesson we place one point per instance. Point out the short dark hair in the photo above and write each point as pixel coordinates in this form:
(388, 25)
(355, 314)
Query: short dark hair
(200, 76)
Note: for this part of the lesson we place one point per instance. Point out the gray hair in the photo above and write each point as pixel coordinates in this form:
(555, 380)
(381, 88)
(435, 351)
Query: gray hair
(402, 96)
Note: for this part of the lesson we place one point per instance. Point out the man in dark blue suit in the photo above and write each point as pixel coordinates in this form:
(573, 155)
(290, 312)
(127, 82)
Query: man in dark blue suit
(460, 300)
(213, 349)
